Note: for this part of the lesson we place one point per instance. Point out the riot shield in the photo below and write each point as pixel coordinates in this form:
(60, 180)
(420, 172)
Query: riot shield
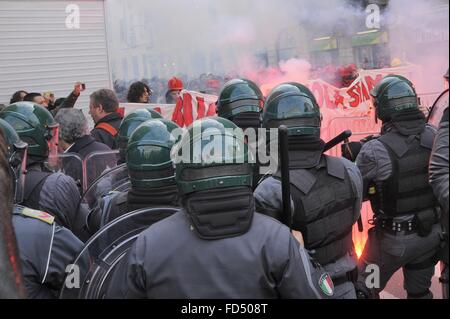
(115, 179)
(69, 164)
(438, 108)
(103, 259)
(97, 163)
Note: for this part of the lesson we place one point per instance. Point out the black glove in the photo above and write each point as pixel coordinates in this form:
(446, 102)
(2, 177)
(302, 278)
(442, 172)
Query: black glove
(362, 292)
(351, 150)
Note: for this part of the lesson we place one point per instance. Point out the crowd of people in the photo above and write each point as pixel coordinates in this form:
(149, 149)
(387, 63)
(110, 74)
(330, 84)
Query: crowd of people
(160, 88)
(218, 228)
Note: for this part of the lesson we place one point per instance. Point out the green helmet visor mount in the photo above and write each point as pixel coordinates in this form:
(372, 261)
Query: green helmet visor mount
(153, 179)
(242, 106)
(298, 126)
(213, 177)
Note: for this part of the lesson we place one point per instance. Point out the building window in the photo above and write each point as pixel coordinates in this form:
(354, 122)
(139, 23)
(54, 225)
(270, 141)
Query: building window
(372, 56)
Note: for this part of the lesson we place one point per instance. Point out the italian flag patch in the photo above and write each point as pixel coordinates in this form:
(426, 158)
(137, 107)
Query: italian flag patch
(326, 285)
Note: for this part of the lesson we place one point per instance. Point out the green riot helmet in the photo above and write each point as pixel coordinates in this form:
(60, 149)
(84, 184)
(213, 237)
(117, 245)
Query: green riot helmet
(148, 155)
(35, 126)
(240, 101)
(212, 154)
(394, 94)
(17, 159)
(292, 105)
(129, 124)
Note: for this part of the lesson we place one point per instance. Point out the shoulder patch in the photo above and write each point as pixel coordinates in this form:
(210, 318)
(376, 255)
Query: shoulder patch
(37, 214)
(326, 285)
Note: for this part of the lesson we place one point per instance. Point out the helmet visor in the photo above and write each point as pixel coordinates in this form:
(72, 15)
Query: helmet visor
(296, 106)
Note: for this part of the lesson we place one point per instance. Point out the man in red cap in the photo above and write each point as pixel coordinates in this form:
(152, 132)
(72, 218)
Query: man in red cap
(175, 85)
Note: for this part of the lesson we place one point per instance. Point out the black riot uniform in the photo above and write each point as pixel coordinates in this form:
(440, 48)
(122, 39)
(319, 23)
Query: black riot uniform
(218, 246)
(326, 191)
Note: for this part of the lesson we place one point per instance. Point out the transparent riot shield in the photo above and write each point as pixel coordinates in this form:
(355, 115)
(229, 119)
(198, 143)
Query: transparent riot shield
(102, 262)
(96, 164)
(115, 179)
(69, 164)
(438, 108)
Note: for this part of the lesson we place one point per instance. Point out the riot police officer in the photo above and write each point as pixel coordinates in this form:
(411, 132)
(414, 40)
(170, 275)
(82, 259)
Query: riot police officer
(45, 248)
(240, 101)
(439, 180)
(12, 281)
(118, 176)
(217, 246)
(326, 191)
(128, 125)
(44, 190)
(151, 174)
(394, 166)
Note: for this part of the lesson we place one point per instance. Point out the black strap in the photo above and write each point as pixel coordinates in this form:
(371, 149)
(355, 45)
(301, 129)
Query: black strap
(33, 186)
(351, 276)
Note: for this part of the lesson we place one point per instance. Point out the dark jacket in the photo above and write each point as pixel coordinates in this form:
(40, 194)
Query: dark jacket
(439, 170)
(45, 250)
(55, 193)
(103, 136)
(265, 262)
(68, 103)
(87, 145)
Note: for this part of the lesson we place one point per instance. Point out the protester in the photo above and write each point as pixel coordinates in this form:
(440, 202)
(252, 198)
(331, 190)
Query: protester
(103, 108)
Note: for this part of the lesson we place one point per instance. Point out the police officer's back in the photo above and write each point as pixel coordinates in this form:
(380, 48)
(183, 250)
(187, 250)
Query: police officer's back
(12, 281)
(45, 249)
(151, 174)
(55, 193)
(218, 246)
(394, 167)
(326, 191)
(439, 179)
